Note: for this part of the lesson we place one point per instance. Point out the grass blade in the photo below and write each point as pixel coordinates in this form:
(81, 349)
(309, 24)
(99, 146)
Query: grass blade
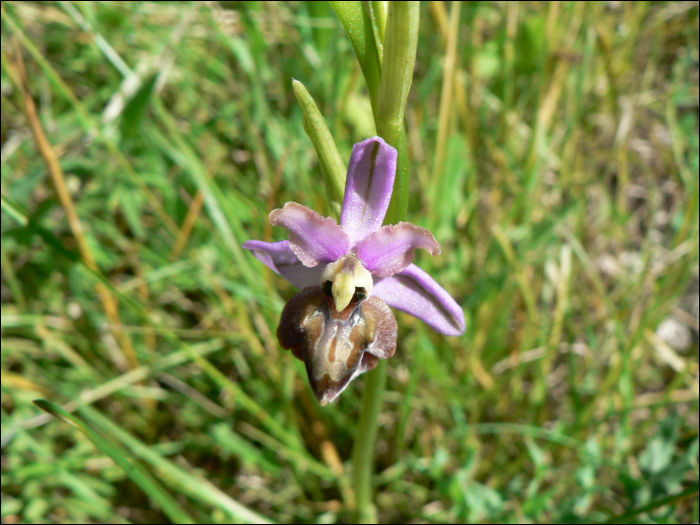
(134, 470)
(183, 481)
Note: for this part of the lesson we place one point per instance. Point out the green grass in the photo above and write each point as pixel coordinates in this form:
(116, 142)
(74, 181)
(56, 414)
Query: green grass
(559, 173)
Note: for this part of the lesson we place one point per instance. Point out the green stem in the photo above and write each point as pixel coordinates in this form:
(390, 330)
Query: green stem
(400, 43)
(363, 451)
(385, 39)
(395, 135)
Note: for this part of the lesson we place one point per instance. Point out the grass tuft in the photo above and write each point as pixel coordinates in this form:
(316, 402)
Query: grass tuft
(554, 153)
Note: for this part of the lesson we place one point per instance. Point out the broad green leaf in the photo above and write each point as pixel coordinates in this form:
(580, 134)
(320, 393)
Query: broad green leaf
(659, 452)
(657, 455)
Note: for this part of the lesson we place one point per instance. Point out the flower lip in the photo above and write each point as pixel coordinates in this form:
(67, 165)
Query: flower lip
(336, 348)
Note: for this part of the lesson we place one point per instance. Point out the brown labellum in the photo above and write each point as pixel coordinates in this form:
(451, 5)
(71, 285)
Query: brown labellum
(336, 346)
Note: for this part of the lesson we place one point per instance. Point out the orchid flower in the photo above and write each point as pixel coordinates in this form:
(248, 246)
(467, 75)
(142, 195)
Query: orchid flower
(340, 324)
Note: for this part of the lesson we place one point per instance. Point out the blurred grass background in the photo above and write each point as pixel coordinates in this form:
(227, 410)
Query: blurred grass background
(554, 154)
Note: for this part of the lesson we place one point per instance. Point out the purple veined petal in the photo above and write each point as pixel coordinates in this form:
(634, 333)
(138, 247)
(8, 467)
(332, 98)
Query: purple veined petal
(416, 293)
(279, 257)
(390, 249)
(313, 238)
(368, 188)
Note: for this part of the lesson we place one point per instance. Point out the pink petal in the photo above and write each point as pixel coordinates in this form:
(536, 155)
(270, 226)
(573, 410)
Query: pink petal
(279, 257)
(391, 248)
(368, 188)
(313, 238)
(416, 293)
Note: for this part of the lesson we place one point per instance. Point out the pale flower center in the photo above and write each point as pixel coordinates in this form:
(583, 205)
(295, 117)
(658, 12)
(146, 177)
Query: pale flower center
(346, 274)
